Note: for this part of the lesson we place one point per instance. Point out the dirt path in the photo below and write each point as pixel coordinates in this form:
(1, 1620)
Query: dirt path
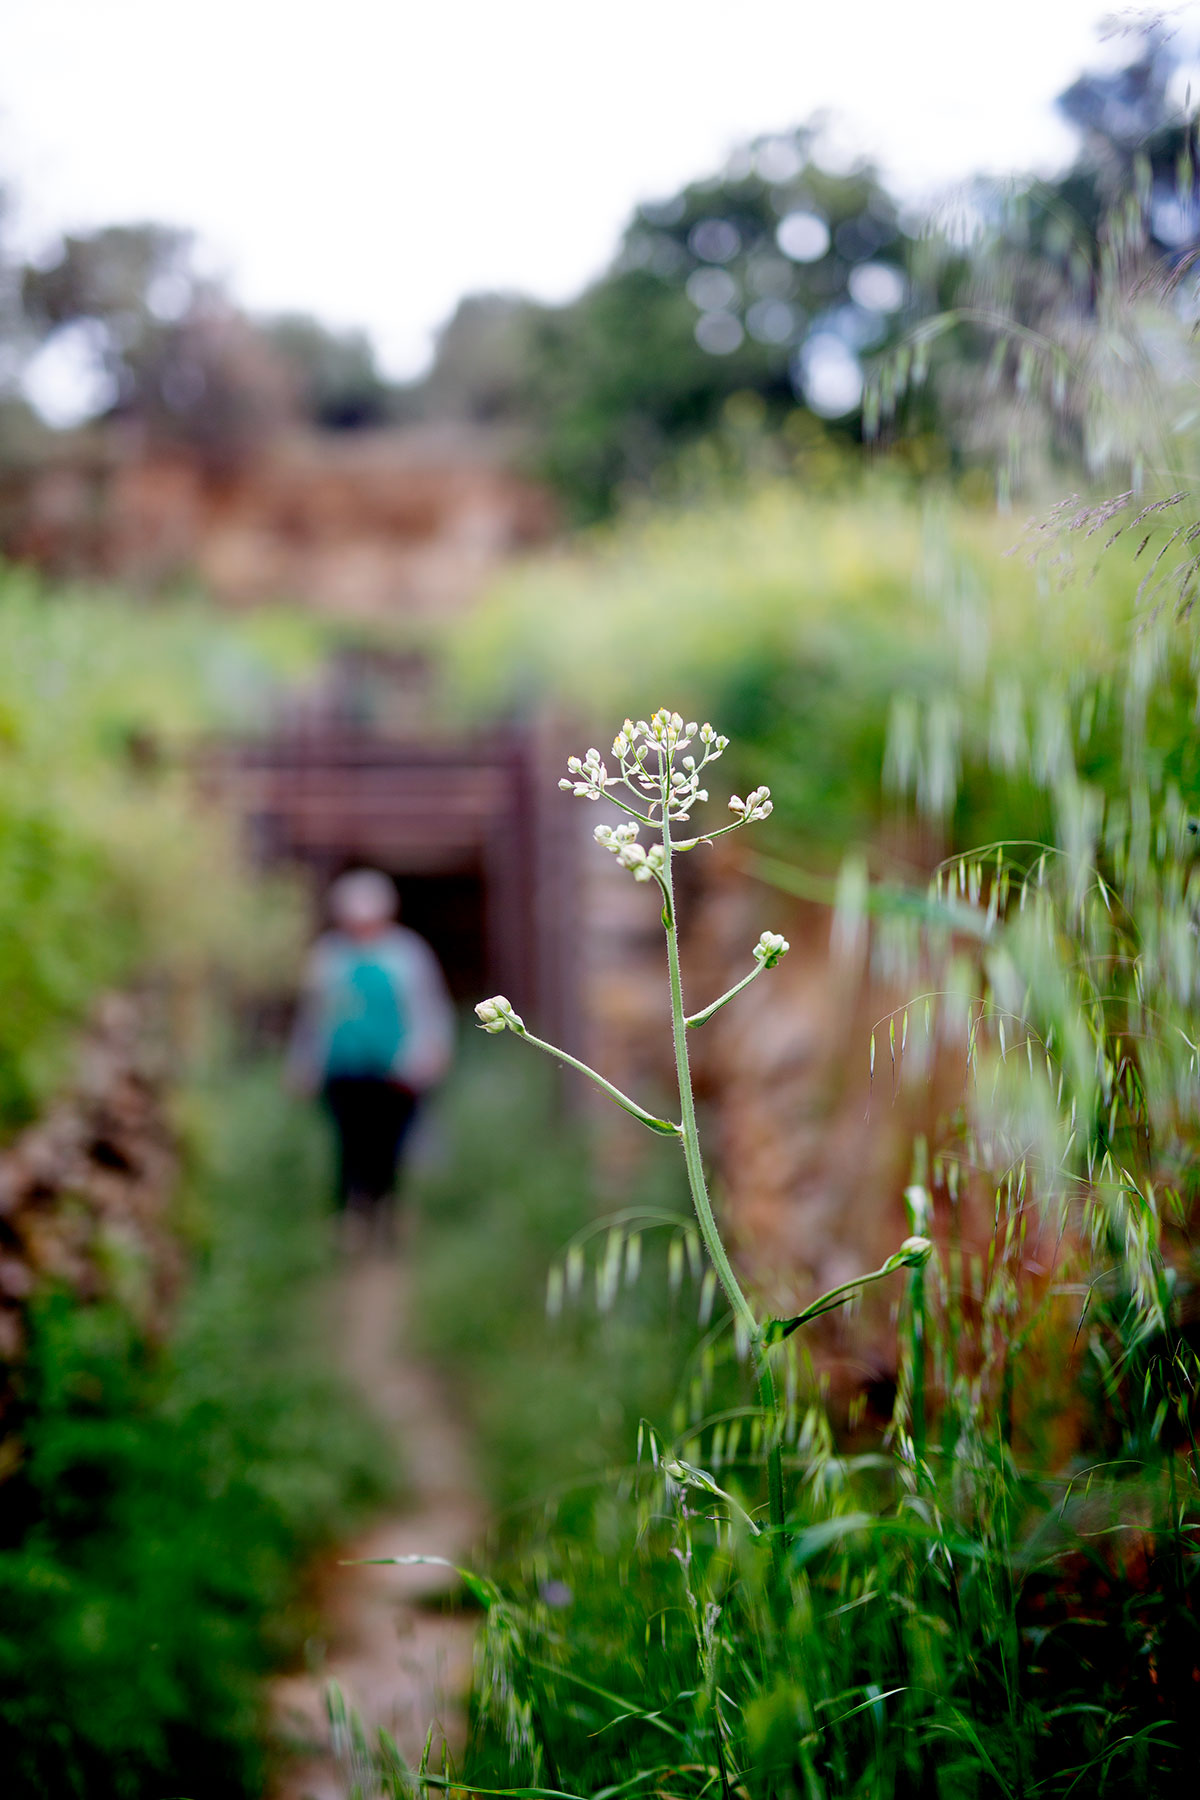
(401, 1662)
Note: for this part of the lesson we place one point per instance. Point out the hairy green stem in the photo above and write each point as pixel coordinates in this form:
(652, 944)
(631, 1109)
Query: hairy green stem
(743, 1313)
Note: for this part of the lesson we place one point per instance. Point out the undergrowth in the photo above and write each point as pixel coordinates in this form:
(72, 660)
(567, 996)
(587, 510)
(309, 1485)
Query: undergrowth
(958, 1617)
(152, 1538)
(552, 1409)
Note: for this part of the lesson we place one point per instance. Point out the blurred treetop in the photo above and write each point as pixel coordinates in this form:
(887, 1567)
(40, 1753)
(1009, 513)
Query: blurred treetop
(789, 277)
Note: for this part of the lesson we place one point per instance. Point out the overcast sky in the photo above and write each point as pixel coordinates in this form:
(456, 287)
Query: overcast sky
(372, 160)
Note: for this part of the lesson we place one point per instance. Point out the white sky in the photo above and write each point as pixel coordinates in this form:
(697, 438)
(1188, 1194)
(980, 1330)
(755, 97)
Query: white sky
(372, 160)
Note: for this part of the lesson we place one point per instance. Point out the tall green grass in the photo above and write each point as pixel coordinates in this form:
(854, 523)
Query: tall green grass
(995, 1593)
(961, 1613)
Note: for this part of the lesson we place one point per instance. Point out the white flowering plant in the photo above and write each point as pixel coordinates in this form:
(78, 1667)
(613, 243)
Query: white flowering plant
(658, 782)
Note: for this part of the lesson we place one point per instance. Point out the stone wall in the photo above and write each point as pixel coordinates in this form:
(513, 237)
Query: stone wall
(85, 1192)
(365, 524)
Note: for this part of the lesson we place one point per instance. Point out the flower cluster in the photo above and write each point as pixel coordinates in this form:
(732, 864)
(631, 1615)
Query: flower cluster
(591, 777)
(647, 750)
(757, 805)
(664, 783)
(622, 841)
(497, 1015)
(665, 732)
(770, 949)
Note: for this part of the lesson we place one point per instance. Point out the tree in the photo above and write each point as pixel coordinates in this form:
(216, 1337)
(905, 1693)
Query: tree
(338, 383)
(773, 278)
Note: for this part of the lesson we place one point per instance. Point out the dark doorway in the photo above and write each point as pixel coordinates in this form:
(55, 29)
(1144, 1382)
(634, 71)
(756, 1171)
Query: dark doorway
(448, 912)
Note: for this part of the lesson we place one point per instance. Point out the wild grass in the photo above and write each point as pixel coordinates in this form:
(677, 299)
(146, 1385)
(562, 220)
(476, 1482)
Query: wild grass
(997, 1595)
(959, 1615)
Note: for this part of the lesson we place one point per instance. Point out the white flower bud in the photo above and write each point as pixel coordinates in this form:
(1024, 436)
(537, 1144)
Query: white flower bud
(770, 948)
(497, 1014)
(913, 1253)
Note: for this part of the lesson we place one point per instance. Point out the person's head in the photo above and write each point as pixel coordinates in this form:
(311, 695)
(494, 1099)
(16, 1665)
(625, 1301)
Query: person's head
(362, 903)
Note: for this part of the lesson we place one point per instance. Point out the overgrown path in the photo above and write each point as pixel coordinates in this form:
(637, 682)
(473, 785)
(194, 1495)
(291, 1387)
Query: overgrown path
(400, 1659)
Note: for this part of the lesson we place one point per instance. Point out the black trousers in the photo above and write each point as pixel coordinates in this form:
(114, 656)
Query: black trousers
(372, 1118)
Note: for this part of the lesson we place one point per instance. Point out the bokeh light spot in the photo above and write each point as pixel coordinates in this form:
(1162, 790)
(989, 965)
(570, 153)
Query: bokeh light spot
(855, 326)
(878, 286)
(712, 290)
(771, 321)
(714, 240)
(803, 236)
(68, 380)
(719, 333)
(828, 375)
(778, 159)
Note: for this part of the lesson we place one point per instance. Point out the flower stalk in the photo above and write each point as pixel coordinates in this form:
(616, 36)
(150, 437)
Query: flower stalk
(664, 782)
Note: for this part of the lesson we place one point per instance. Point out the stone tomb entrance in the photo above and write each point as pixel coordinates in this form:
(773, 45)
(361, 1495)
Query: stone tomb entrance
(484, 861)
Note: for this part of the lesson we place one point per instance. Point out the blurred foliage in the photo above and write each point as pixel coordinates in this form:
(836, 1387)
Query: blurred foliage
(791, 276)
(147, 338)
(797, 625)
(788, 277)
(140, 334)
(109, 865)
(768, 279)
(554, 1404)
(480, 367)
(334, 373)
(1058, 312)
(150, 1539)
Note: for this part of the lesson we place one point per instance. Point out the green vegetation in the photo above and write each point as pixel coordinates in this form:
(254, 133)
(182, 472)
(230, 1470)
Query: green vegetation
(829, 637)
(107, 865)
(151, 1539)
(159, 1499)
(997, 1595)
(984, 1582)
(992, 1591)
(553, 1407)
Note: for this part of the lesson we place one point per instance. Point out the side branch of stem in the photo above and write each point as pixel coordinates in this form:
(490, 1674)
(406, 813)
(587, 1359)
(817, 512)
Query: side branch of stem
(664, 1127)
(706, 1013)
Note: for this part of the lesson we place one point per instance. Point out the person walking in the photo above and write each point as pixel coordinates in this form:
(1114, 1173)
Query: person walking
(373, 1034)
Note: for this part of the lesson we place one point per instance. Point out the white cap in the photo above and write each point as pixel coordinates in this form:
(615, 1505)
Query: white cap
(363, 897)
